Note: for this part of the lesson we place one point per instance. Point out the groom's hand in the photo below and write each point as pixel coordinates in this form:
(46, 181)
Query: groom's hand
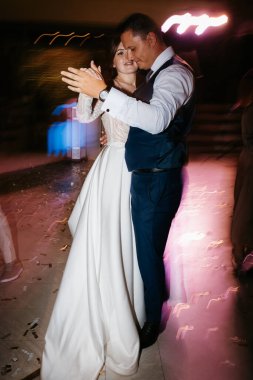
(88, 81)
(103, 138)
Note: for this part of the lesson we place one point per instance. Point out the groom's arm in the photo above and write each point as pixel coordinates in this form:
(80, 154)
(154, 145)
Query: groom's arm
(172, 88)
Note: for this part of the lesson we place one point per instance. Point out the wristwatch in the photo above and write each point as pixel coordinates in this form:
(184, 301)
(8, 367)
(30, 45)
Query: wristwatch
(103, 94)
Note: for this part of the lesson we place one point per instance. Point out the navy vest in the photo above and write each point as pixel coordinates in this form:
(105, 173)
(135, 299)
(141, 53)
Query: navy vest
(166, 149)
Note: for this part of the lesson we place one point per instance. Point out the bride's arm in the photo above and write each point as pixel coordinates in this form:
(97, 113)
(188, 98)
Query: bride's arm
(85, 112)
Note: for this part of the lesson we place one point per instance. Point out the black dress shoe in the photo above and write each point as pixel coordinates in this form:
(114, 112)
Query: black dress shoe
(149, 334)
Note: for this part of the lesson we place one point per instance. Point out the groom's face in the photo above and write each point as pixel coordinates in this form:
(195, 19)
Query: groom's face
(139, 49)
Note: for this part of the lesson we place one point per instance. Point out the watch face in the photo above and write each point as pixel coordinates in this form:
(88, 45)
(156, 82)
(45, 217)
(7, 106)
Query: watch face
(103, 94)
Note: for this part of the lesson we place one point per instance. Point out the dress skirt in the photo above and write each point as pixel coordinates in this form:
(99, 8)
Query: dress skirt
(99, 306)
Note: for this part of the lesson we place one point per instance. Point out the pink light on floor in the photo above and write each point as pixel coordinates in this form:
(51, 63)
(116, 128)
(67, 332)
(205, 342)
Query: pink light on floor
(201, 22)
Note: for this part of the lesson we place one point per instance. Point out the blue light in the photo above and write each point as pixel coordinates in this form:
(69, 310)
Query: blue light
(62, 136)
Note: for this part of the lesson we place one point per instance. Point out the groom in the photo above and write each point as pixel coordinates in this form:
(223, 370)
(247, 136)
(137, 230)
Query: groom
(160, 115)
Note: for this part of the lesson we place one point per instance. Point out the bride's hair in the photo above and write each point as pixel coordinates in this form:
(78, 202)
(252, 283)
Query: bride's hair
(111, 44)
(114, 46)
(115, 41)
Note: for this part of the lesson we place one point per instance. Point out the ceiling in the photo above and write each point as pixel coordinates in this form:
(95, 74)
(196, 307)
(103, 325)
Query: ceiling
(100, 11)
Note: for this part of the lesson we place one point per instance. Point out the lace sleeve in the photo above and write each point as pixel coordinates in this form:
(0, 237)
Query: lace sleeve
(84, 111)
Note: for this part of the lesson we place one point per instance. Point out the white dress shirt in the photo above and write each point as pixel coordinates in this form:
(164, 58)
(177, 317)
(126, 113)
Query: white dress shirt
(173, 87)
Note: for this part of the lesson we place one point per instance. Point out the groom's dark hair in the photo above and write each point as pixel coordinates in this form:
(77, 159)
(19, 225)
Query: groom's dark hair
(140, 25)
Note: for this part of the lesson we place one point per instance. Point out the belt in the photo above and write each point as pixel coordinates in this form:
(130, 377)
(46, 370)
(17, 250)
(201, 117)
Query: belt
(152, 170)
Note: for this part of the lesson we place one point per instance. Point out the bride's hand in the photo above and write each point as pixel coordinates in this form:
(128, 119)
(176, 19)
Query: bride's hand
(88, 81)
(95, 68)
(93, 71)
(103, 138)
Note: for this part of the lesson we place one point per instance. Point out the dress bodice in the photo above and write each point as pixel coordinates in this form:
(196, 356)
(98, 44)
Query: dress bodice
(116, 130)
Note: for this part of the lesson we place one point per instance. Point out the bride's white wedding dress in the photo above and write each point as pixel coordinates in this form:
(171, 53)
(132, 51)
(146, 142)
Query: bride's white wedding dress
(100, 301)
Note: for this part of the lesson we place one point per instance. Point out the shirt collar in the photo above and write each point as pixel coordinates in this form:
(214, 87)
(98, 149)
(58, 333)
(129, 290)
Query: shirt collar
(167, 54)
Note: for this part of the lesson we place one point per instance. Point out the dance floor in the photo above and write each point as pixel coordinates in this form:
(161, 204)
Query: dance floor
(207, 329)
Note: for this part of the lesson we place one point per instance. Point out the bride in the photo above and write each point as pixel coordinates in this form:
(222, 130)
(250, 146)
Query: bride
(99, 306)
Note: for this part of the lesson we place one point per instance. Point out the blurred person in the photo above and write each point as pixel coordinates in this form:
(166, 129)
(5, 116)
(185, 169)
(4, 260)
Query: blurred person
(100, 305)
(242, 219)
(160, 114)
(59, 132)
(12, 266)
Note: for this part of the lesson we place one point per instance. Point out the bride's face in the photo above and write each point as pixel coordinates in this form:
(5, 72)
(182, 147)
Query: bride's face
(121, 62)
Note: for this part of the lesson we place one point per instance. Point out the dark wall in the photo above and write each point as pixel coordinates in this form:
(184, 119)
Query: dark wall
(31, 86)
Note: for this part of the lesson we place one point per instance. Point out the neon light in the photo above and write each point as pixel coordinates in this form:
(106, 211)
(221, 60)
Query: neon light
(71, 36)
(99, 36)
(77, 36)
(61, 35)
(45, 34)
(201, 22)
